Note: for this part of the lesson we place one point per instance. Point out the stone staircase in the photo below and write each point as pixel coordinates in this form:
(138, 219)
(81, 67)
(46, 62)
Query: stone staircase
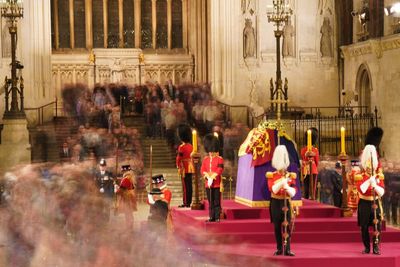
(47, 139)
(163, 159)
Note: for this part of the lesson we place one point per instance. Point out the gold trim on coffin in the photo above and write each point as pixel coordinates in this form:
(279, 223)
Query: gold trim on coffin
(263, 203)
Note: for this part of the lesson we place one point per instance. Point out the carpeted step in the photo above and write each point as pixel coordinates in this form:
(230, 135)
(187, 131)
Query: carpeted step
(310, 255)
(319, 229)
(264, 225)
(301, 225)
(269, 237)
(236, 211)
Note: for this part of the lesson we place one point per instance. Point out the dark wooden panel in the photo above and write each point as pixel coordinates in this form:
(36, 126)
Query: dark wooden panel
(344, 21)
(375, 24)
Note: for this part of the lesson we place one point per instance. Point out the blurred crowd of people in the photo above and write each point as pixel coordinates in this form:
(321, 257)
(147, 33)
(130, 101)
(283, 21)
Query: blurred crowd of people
(101, 133)
(54, 215)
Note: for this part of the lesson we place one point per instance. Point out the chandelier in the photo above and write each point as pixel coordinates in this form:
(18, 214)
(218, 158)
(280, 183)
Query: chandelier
(279, 12)
(12, 9)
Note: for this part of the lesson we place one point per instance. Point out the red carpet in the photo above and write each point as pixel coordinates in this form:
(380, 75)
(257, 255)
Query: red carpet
(320, 237)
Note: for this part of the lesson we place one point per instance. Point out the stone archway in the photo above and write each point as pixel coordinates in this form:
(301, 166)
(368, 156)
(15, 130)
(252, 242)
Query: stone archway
(363, 89)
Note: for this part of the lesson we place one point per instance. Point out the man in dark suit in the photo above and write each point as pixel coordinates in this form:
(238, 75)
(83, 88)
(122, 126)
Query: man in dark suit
(171, 89)
(65, 153)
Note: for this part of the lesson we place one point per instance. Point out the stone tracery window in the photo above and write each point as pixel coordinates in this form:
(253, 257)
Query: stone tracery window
(162, 29)
(79, 21)
(129, 24)
(146, 19)
(113, 24)
(78, 24)
(177, 38)
(64, 22)
(98, 23)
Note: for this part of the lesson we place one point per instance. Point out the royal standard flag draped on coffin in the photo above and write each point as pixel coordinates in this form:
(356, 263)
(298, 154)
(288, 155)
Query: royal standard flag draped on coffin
(255, 156)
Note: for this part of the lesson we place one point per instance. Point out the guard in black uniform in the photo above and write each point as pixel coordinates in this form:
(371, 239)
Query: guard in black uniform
(105, 183)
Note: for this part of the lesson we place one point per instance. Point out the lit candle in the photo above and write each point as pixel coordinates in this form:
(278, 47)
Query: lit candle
(309, 145)
(194, 141)
(342, 140)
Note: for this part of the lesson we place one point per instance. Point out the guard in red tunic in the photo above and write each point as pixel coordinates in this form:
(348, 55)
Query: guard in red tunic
(305, 163)
(370, 186)
(211, 169)
(160, 182)
(184, 163)
(352, 192)
(126, 197)
(282, 185)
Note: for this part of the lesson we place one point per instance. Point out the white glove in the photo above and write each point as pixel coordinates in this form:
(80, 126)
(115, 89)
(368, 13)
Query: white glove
(286, 186)
(373, 183)
(291, 191)
(372, 178)
(102, 190)
(150, 199)
(277, 186)
(379, 190)
(209, 182)
(364, 186)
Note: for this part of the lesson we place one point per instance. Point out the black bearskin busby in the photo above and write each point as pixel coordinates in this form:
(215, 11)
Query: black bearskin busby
(314, 135)
(211, 143)
(374, 136)
(185, 133)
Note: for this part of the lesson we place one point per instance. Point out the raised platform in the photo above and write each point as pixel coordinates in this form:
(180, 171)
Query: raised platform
(320, 236)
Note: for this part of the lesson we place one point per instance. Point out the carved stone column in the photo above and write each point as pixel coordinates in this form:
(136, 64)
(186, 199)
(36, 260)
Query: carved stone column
(121, 23)
(224, 43)
(169, 23)
(56, 25)
(137, 18)
(154, 22)
(34, 51)
(71, 24)
(198, 14)
(89, 23)
(105, 22)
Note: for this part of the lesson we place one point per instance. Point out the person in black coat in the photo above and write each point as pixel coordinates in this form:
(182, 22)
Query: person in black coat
(105, 183)
(337, 183)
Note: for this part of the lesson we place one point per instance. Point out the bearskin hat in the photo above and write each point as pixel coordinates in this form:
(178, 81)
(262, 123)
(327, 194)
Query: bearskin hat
(374, 136)
(314, 135)
(184, 133)
(211, 143)
(280, 159)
